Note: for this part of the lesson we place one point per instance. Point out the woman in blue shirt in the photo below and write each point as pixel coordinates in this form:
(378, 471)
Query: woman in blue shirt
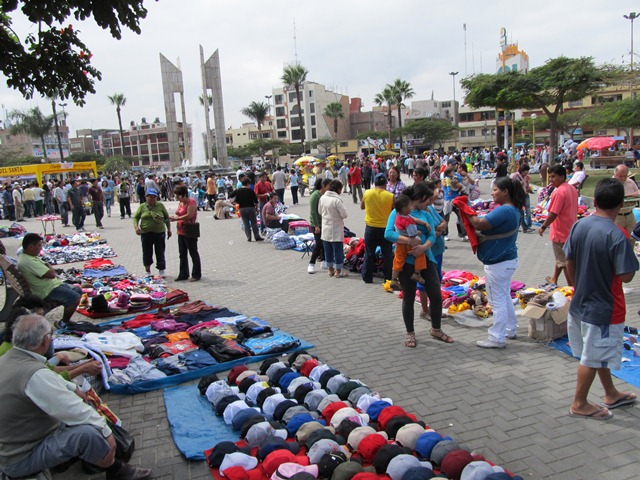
(498, 252)
(420, 194)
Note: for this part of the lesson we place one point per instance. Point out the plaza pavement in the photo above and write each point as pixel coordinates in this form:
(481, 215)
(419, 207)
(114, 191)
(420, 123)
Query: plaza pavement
(509, 405)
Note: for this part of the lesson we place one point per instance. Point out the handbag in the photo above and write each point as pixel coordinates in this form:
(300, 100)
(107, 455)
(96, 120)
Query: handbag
(192, 230)
(125, 443)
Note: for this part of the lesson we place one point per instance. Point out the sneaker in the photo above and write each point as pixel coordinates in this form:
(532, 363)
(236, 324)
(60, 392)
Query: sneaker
(465, 239)
(488, 343)
(129, 472)
(512, 337)
(162, 274)
(311, 268)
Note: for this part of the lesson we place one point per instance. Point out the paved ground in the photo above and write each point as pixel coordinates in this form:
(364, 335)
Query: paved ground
(510, 405)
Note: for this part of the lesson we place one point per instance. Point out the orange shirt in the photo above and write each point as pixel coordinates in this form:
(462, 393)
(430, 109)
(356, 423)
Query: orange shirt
(564, 203)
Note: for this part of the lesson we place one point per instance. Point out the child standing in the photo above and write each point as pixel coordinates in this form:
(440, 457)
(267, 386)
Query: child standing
(407, 226)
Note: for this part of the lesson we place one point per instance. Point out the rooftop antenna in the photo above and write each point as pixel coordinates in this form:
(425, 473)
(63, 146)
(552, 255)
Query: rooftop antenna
(295, 41)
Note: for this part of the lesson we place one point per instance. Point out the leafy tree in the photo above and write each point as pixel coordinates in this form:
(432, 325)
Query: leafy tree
(546, 87)
(243, 153)
(431, 130)
(386, 96)
(256, 111)
(209, 100)
(335, 112)
(294, 149)
(119, 100)
(323, 145)
(116, 164)
(53, 60)
(295, 76)
(33, 123)
(623, 115)
(402, 90)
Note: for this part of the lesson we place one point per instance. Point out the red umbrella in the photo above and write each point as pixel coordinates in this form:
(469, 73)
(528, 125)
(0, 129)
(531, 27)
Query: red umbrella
(597, 143)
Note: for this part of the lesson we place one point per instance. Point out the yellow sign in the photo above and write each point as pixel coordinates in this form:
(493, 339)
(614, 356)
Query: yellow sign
(48, 169)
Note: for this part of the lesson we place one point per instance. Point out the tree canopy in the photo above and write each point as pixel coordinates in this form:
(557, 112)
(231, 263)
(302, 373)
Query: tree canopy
(53, 60)
(433, 131)
(256, 111)
(294, 76)
(33, 123)
(546, 87)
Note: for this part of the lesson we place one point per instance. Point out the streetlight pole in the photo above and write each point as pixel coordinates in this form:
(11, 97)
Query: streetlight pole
(455, 116)
(535, 151)
(632, 16)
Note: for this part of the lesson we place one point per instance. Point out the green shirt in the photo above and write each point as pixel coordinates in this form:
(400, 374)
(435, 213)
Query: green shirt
(152, 219)
(33, 269)
(314, 201)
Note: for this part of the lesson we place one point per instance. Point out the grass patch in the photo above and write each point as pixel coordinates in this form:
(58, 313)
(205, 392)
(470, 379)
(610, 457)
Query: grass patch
(594, 176)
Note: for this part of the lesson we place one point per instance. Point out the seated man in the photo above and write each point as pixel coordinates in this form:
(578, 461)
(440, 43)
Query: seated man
(578, 176)
(42, 279)
(44, 423)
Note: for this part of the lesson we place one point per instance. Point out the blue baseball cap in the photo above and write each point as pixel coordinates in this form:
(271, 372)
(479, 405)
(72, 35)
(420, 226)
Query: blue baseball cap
(151, 191)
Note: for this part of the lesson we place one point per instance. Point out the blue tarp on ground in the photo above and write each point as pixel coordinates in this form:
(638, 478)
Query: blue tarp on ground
(630, 371)
(194, 425)
(147, 386)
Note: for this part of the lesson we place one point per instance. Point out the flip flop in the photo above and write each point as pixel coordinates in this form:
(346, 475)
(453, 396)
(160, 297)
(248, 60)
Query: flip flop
(628, 399)
(597, 415)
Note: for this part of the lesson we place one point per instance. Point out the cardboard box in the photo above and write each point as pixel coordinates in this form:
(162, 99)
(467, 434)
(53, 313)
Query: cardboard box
(547, 325)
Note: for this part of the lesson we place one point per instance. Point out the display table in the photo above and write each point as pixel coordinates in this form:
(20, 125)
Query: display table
(49, 219)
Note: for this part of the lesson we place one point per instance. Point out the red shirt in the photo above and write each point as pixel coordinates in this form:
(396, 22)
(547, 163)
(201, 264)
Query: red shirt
(182, 210)
(261, 189)
(355, 176)
(564, 203)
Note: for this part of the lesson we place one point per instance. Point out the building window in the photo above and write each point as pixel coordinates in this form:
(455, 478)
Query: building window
(344, 144)
(281, 123)
(313, 133)
(279, 99)
(312, 108)
(292, 96)
(446, 105)
(313, 119)
(280, 111)
(295, 134)
(282, 134)
(471, 133)
(310, 93)
(576, 103)
(463, 133)
(295, 121)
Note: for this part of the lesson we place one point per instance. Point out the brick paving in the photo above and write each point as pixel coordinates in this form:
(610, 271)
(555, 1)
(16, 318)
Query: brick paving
(509, 405)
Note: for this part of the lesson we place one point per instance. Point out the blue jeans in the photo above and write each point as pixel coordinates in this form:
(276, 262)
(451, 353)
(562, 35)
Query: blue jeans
(65, 294)
(374, 237)
(77, 217)
(333, 254)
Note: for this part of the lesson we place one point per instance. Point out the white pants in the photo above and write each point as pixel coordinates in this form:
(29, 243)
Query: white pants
(498, 278)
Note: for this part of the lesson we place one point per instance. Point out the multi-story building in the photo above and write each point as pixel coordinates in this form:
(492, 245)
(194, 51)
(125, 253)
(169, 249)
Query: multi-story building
(247, 133)
(477, 127)
(314, 97)
(23, 145)
(147, 143)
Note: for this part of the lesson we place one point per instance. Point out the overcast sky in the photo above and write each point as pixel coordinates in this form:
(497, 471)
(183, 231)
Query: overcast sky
(353, 47)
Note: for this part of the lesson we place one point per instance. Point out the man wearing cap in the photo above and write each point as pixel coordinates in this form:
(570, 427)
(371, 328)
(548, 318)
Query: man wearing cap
(97, 201)
(42, 279)
(44, 422)
(75, 198)
(599, 259)
(150, 222)
(377, 204)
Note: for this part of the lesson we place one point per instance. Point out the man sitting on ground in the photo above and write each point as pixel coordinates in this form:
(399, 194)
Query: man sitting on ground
(42, 279)
(44, 423)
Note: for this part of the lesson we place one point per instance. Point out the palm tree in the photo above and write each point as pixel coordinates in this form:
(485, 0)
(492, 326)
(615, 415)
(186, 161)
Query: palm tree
(209, 100)
(402, 90)
(334, 111)
(33, 123)
(386, 96)
(119, 100)
(295, 76)
(256, 111)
